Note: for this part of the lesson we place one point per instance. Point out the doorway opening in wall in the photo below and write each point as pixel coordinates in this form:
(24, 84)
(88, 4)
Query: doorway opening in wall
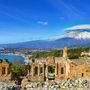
(51, 72)
(41, 70)
(82, 74)
(36, 70)
(3, 70)
(62, 70)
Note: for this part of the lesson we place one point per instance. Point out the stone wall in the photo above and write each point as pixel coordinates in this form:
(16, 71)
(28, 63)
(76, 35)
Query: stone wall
(79, 71)
(36, 78)
(6, 77)
(51, 59)
(5, 72)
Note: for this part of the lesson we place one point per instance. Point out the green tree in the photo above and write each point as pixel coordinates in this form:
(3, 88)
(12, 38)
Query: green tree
(25, 69)
(16, 70)
(51, 69)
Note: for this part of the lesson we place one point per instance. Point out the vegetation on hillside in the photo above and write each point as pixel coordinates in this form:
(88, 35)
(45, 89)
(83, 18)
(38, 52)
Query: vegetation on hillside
(76, 52)
(19, 69)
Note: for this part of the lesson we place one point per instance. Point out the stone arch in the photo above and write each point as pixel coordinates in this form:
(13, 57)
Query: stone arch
(51, 65)
(53, 74)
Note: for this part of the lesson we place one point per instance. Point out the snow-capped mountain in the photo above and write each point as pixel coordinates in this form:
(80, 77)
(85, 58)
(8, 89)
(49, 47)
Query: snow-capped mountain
(83, 35)
(68, 39)
(74, 34)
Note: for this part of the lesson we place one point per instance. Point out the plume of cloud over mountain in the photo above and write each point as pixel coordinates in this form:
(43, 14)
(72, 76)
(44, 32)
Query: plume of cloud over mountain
(73, 36)
(76, 32)
(78, 28)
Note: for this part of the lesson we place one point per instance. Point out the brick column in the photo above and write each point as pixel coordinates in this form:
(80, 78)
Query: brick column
(38, 69)
(46, 72)
(32, 69)
(43, 69)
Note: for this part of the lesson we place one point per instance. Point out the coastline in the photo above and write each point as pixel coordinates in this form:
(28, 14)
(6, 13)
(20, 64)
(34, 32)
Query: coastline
(26, 57)
(22, 58)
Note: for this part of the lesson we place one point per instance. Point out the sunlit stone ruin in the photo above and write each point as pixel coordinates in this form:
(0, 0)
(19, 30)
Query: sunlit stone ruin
(70, 74)
(64, 68)
(5, 72)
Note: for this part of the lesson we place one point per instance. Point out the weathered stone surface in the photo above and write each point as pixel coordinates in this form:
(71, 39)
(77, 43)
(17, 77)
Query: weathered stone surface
(24, 80)
(70, 84)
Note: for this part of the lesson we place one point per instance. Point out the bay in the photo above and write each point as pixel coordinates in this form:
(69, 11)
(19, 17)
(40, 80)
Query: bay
(1, 48)
(9, 57)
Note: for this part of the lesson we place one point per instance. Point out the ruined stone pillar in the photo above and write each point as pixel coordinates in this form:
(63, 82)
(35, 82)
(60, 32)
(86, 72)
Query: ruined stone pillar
(38, 69)
(46, 72)
(56, 70)
(6, 71)
(1, 70)
(59, 69)
(65, 52)
(32, 69)
(43, 69)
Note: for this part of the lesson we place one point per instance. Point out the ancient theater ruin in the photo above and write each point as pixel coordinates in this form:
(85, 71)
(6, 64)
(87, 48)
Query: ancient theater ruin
(39, 67)
(5, 72)
(64, 67)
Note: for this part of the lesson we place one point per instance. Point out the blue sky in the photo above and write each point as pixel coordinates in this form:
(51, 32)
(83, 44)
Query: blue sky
(27, 20)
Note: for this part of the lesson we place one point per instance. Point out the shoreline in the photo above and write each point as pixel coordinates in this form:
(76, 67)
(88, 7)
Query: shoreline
(14, 55)
(23, 56)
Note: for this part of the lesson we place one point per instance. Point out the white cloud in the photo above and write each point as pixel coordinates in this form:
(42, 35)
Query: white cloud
(39, 22)
(78, 27)
(34, 37)
(46, 23)
(62, 18)
(30, 38)
(37, 37)
(43, 23)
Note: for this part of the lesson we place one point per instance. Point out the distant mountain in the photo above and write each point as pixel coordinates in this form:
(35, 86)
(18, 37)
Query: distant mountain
(74, 34)
(72, 38)
(80, 45)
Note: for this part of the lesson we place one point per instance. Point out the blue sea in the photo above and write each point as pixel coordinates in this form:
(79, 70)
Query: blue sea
(9, 57)
(1, 48)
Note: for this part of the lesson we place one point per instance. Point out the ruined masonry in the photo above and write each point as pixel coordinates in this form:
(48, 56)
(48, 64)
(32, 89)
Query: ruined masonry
(64, 68)
(5, 72)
